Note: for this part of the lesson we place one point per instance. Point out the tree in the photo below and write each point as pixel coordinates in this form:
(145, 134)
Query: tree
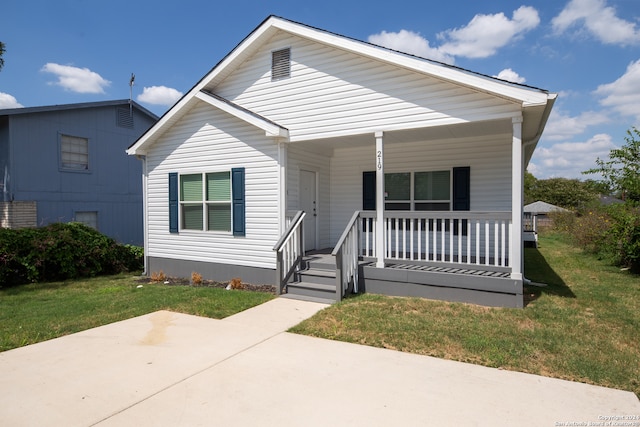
(568, 193)
(530, 184)
(2, 51)
(621, 171)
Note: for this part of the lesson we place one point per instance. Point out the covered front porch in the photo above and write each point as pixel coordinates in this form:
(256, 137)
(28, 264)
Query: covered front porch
(427, 212)
(439, 255)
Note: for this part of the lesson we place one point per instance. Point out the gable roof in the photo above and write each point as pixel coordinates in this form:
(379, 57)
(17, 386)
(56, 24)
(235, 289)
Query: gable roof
(526, 96)
(543, 207)
(77, 106)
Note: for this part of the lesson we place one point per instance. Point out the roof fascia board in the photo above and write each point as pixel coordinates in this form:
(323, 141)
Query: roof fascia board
(77, 106)
(138, 146)
(270, 128)
(524, 95)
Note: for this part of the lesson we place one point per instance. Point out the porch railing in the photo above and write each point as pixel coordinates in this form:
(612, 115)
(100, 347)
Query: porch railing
(346, 253)
(289, 250)
(480, 238)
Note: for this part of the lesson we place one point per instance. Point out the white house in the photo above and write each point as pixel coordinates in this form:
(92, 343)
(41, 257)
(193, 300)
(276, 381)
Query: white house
(410, 171)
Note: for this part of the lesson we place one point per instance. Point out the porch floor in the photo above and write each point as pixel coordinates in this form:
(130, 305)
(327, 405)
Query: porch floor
(324, 256)
(451, 270)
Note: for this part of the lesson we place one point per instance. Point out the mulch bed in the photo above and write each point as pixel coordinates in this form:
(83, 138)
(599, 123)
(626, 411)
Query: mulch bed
(178, 281)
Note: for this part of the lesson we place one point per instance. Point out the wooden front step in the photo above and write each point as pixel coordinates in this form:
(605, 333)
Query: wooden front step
(317, 280)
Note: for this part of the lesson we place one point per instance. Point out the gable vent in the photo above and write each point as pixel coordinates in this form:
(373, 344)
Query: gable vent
(124, 118)
(281, 64)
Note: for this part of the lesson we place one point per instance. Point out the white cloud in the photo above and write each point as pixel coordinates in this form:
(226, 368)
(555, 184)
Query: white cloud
(74, 79)
(485, 34)
(410, 42)
(562, 126)
(511, 76)
(598, 20)
(8, 101)
(159, 95)
(569, 159)
(623, 95)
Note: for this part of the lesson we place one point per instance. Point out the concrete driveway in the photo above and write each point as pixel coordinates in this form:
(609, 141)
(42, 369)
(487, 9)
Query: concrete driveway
(170, 369)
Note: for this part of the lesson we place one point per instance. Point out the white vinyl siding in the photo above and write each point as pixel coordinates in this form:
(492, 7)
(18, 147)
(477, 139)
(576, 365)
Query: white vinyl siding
(488, 157)
(195, 146)
(334, 93)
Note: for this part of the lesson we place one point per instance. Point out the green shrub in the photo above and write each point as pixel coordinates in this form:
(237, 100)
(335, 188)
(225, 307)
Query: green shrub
(611, 232)
(623, 239)
(62, 251)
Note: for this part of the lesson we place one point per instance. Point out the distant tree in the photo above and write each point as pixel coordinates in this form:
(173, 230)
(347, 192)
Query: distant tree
(530, 183)
(567, 193)
(621, 172)
(2, 51)
(599, 187)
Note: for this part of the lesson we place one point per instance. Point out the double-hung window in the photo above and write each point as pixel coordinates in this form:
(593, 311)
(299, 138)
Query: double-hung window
(432, 191)
(205, 201)
(419, 191)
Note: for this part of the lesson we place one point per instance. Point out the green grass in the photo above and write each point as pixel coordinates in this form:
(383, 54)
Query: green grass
(38, 312)
(582, 327)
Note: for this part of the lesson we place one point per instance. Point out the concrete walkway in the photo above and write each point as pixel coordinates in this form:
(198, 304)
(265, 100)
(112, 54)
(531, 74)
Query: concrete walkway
(170, 369)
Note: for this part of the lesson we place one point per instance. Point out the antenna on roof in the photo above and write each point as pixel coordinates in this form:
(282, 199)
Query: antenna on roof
(131, 80)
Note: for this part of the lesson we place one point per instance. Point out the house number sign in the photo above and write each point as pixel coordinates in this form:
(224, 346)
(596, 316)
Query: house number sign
(379, 155)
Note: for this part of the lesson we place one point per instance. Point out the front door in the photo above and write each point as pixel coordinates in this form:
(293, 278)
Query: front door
(309, 205)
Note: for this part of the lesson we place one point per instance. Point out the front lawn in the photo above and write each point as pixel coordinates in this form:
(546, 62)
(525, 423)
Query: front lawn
(41, 311)
(582, 327)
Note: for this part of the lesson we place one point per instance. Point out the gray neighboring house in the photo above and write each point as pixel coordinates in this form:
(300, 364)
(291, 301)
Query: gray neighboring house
(66, 163)
(537, 214)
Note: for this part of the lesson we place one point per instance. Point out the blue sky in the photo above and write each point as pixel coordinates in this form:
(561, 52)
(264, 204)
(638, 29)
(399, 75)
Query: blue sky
(587, 51)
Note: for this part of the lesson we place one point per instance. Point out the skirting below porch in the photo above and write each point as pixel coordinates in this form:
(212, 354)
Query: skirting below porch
(210, 270)
(451, 283)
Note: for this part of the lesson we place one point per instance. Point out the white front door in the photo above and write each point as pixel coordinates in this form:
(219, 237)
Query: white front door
(309, 205)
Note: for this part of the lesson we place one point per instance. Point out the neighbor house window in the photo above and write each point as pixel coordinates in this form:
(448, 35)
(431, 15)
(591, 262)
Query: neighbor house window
(420, 191)
(205, 201)
(74, 153)
(89, 218)
(281, 64)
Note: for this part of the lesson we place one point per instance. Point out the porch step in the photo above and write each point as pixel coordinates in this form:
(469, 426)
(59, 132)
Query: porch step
(317, 280)
(319, 276)
(304, 290)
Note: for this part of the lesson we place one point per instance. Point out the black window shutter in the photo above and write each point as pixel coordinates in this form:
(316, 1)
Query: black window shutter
(238, 201)
(462, 188)
(173, 202)
(369, 191)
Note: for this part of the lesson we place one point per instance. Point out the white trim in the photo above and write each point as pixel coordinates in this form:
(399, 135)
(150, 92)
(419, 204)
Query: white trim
(270, 129)
(527, 96)
(283, 156)
(379, 158)
(517, 189)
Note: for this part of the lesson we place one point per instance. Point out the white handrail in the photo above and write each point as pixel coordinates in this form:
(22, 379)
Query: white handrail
(466, 237)
(289, 251)
(346, 253)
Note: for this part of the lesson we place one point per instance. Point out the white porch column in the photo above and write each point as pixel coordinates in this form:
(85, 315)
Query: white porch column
(282, 185)
(380, 236)
(516, 258)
